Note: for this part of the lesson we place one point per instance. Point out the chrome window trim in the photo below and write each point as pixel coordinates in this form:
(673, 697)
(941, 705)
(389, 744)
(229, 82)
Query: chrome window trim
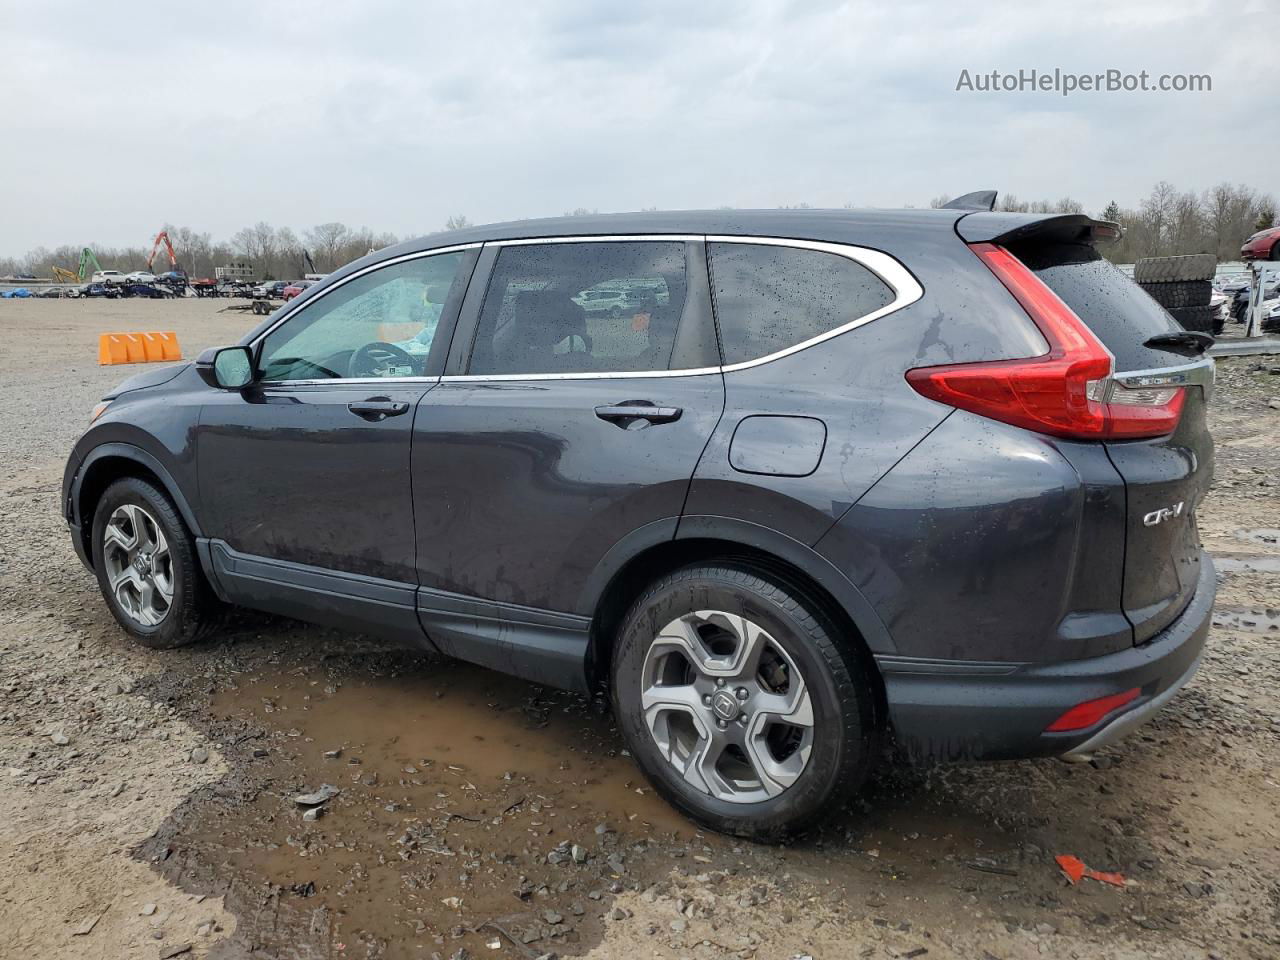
(588, 375)
(906, 289)
(602, 238)
(338, 381)
(1201, 373)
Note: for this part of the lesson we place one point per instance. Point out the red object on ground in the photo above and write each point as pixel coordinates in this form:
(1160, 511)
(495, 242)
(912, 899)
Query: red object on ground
(1076, 871)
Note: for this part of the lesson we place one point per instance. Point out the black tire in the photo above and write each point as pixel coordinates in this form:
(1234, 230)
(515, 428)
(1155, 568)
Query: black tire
(1194, 318)
(1180, 293)
(194, 611)
(1198, 266)
(1275, 250)
(845, 728)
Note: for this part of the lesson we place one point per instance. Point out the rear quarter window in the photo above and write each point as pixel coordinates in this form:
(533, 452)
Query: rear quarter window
(771, 298)
(1119, 312)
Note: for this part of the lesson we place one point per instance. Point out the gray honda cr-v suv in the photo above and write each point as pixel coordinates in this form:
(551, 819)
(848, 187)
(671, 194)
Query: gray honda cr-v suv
(830, 475)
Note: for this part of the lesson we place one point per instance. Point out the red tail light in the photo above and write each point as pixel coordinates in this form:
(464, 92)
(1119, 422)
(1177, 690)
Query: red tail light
(1066, 392)
(1084, 715)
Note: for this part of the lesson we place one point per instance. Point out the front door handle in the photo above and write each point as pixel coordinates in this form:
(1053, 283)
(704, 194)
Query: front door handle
(378, 408)
(637, 412)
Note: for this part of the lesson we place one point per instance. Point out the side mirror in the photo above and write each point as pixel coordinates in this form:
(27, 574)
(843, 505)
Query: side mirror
(226, 368)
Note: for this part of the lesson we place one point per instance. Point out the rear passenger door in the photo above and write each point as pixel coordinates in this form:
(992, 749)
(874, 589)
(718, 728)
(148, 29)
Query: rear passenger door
(582, 386)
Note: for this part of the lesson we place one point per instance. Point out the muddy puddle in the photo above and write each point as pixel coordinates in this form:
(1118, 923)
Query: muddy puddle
(1250, 620)
(473, 811)
(479, 812)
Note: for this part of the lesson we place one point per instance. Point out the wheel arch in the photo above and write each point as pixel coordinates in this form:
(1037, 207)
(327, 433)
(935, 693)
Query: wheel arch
(110, 462)
(710, 539)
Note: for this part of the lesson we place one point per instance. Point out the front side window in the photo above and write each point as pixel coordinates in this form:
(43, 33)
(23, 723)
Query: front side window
(380, 324)
(589, 307)
(769, 298)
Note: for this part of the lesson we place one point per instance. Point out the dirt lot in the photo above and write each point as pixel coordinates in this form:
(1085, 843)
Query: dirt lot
(146, 797)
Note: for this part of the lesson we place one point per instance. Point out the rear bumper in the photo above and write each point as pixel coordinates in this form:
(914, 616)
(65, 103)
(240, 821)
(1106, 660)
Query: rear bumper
(964, 710)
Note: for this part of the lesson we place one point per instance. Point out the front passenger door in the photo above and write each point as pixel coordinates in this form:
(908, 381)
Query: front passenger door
(304, 475)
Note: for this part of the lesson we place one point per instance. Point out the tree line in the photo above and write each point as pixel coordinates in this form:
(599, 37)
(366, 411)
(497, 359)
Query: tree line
(276, 253)
(1167, 222)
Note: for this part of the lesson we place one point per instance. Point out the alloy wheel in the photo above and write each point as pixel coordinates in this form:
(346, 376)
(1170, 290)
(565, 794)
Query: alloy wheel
(727, 706)
(138, 565)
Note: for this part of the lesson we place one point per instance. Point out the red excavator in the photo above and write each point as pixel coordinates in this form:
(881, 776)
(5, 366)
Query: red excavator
(163, 237)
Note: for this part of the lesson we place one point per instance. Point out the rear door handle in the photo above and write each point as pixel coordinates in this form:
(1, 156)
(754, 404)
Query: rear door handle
(635, 410)
(378, 408)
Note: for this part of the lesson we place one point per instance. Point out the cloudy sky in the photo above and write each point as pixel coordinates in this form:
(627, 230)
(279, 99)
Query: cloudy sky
(121, 116)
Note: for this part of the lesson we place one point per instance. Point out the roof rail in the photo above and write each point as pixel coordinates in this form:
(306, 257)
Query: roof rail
(978, 200)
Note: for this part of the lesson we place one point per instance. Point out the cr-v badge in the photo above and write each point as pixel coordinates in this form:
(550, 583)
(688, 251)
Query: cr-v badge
(1164, 513)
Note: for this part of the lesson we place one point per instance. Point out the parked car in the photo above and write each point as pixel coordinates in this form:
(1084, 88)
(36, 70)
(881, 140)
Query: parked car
(601, 300)
(17, 293)
(1240, 300)
(143, 290)
(107, 276)
(295, 288)
(931, 474)
(1263, 245)
(141, 276)
(94, 289)
(1220, 304)
(271, 290)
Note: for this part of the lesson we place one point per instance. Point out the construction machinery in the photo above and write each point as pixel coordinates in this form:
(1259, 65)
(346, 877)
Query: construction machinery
(65, 276)
(87, 260)
(163, 238)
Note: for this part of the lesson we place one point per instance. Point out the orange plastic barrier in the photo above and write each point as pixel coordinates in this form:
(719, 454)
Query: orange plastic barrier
(138, 347)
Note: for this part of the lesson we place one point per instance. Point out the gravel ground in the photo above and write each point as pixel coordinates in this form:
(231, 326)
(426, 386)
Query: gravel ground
(147, 798)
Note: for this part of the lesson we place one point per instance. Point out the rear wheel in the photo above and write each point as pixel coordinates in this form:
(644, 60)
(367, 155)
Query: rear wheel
(147, 569)
(1275, 250)
(739, 704)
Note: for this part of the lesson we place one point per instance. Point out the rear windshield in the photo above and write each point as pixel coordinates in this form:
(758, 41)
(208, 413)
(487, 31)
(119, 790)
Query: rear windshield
(1117, 310)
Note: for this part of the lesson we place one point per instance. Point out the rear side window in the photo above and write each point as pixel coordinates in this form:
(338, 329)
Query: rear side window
(769, 298)
(1119, 312)
(588, 307)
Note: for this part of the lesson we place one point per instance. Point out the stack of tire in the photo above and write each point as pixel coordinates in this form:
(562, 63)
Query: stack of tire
(1182, 285)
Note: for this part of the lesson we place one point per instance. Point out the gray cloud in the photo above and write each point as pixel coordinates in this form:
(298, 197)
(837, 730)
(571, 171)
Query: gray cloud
(121, 117)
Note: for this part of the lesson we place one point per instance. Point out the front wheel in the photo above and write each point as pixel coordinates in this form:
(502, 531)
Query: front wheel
(145, 560)
(740, 702)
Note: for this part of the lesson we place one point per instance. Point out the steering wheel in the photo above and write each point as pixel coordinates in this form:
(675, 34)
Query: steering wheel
(377, 359)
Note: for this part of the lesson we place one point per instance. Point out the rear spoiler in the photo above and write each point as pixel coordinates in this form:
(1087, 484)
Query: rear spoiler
(1007, 228)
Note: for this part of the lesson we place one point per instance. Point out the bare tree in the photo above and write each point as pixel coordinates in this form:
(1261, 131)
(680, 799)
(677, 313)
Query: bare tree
(1157, 211)
(327, 240)
(457, 222)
